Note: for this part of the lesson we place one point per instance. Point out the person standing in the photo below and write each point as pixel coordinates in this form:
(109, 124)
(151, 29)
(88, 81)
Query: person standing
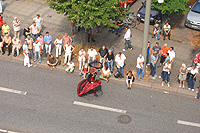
(30, 46)
(164, 51)
(1, 21)
(81, 58)
(37, 50)
(120, 60)
(27, 31)
(103, 53)
(16, 27)
(92, 53)
(157, 49)
(38, 20)
(171, 54)
(58, 45)
(110, 59)
(127, 38)
(192, 78)
(66, 39)
(68, 53)
(5, 29)
(6, 43)
(1, 6)
(154, 60)
(47, 42)
(182, 75)
(26, 54)
(40, 39)
(167, 31)
(148, 52)
(166, 73)
(35, 30)
(140, 61)
(119, 30)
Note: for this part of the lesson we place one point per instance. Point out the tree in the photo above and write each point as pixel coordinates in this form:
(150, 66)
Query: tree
(170, 6)
(89, 12)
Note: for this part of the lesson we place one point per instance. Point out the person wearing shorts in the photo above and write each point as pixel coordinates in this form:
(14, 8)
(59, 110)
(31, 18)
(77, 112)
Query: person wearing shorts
(105, 74)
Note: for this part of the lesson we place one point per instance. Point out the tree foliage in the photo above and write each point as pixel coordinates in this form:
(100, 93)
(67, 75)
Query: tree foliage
(170, 6)
(89, 12)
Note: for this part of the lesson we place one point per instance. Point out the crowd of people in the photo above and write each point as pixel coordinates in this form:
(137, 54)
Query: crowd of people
(35, 45)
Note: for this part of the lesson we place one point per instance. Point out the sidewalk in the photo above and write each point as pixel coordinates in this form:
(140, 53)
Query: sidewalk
(58, 25)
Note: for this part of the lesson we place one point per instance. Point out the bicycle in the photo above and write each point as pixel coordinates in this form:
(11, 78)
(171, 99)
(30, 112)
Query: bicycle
(131, 21)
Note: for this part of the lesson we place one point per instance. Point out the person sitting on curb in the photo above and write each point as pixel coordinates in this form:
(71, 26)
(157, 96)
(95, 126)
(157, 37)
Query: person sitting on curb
(70, 67)
(85, 71)
(129, 79)
(52, 61)
(105, 74)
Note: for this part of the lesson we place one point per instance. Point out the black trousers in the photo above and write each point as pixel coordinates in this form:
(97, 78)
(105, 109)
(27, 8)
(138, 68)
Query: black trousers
(9, 47)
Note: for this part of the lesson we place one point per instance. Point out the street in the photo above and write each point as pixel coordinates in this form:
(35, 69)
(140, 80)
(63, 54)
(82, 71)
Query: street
(48, 107)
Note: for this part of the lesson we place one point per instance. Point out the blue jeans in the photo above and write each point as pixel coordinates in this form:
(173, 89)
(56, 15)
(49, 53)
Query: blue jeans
(37, 53)
(191, 82)
(128, 45)
(158, 34)
(44, 51)
(138, 73)
(119, 30)
(110, 65)
(121, 71)
(169, 34)
(198, 95)
(153, 70)
(147, 59)
(166, 76)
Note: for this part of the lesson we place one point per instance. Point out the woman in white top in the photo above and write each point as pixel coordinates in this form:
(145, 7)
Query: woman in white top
(68, 52)
(58, 44)
(81, 58)
(105, 74)
(166, 73)
(193, 73)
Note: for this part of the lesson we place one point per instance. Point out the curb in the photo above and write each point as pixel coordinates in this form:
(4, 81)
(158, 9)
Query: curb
(140, 83)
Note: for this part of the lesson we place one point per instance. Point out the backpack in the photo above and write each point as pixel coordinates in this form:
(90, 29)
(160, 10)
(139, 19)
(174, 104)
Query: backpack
(117, 74)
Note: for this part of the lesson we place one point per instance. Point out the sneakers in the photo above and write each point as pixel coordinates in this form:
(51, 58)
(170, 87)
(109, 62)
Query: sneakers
(131, 48)
(162, 84)
(192, 89)
(124, 50)
(179, 86)
(168, 85)
(189, 89)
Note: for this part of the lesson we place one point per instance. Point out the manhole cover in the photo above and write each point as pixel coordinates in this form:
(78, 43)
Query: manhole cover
(124, 119)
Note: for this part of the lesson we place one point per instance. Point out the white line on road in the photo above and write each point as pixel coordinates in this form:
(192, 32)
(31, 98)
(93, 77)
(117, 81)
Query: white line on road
(6, 131)
(99, 107)
(12, 91)
(188, 123)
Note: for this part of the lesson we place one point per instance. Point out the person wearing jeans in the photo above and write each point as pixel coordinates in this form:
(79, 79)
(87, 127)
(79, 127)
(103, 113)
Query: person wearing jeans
(127, 38)
(157, 31)
(153, 64)
(110, 58)
(166, 73)
(37, 50)
(120, 59)
(140, 61)
(148, 52)
(193, 73)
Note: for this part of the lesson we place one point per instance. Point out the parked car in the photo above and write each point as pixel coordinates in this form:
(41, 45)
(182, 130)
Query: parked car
(154, 14)
(193, 17)
(127, 4)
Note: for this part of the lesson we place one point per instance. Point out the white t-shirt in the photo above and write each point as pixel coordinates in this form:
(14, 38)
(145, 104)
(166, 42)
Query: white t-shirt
(127, 35)
(68, 48)
(92, 53)
(171, 54)
(58, 41)
(120, 60)
(167, 27)
(105, 72)
(140, 60)
(71, 65)
(82, 54)
(193, 71)
(37, 46)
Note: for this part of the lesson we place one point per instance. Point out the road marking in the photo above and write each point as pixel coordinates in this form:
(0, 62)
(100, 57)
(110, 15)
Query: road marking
(6, 131)
(99, 107)
(13, 91)
(188, 123)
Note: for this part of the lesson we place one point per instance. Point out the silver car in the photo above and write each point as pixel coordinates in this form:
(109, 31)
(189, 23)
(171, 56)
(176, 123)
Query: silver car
(193, 17)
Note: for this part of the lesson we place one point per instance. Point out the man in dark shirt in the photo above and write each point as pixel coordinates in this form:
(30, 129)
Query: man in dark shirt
(109, 59)
(103, 53)
(52, 61)
(156, 48)
(119, 30)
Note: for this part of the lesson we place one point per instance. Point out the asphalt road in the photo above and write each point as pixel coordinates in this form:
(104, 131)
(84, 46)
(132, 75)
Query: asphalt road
(48, 105)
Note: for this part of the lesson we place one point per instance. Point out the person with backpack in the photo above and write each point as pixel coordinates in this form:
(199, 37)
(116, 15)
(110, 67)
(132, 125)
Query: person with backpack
(129, 79)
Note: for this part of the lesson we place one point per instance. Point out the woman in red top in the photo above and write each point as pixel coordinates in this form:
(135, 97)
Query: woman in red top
(1, 22)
